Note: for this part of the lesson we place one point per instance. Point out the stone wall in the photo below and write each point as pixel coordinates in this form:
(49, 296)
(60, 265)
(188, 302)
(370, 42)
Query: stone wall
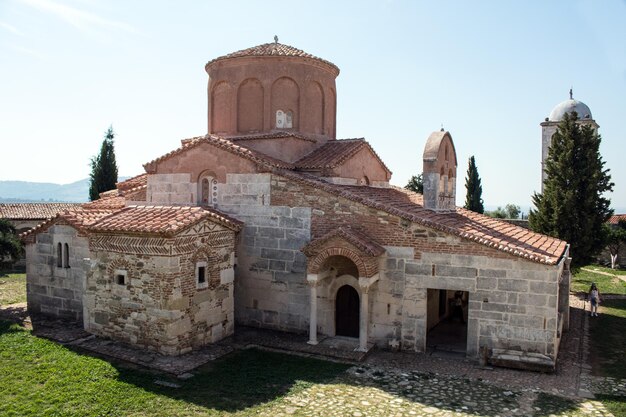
(513, 303)
(160, 305)
(52, 290)
(271, 289)
(170, 189)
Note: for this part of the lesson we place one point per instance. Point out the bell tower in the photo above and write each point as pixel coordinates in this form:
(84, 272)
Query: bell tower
(439, 172)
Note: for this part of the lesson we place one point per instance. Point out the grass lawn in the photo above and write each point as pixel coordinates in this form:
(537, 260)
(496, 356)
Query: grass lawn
(39, 377)
(608, 270)
(581, 281)
(12, 288)
(608, 339)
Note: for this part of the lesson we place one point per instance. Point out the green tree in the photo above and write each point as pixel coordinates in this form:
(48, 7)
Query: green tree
(416, 184)
(103, 167)
(473, 199)
(616, 237)
(510, 211)
(10, 246)
(572, 206)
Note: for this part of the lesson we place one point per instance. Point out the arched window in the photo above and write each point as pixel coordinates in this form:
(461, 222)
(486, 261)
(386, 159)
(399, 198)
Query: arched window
(59, 255)
(442, 182)
(364, 180)
(450, 182)
(207, 190)
(66, 256)
(446, 152)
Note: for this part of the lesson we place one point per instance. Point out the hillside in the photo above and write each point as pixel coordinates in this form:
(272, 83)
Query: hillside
(26, 192)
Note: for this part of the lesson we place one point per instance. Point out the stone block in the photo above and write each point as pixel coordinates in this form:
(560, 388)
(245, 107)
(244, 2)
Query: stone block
(278, 254)
(455, 271)
(486, 283)
(543, 287)
(411, 268)
(517, 285)
(100, 317)
(492, 273)
(63, 293)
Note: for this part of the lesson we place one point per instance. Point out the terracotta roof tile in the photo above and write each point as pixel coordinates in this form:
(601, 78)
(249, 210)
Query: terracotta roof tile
(616, 218)
(167, 220)
(134, 182)
(109, 202)
(219, 142)
(273, 135)
(358, 239)
(79, 217)
(333, 153)
(273, 49)
(33, 211)
(479, 228)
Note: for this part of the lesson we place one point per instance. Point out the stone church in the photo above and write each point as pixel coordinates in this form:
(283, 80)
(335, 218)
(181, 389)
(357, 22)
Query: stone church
(270, 221)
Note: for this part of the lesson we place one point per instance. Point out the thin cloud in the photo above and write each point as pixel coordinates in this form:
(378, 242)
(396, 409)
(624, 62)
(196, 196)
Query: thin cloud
(29, 52)
(11, 29)
(80, 19)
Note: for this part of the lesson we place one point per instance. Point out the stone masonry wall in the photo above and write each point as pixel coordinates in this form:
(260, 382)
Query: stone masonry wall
(161, 306)
(53, 290)
(170, 189)
(512, 304)
(271, 289)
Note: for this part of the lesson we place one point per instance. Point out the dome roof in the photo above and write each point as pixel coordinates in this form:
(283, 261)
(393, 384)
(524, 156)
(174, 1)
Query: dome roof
(273, 49)
(568, 106)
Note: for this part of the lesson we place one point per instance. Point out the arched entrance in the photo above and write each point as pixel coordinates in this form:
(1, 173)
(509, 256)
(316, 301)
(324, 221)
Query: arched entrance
(347, 312)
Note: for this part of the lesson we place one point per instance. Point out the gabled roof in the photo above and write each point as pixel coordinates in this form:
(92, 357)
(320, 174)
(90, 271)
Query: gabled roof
(221, 143)
(614, 219)
(273, 135)
(335, 152)
(134, 182)
(33, 211)
(361, 241)
(479, 228)
(273, 49)
(78, 217)
(162, 220)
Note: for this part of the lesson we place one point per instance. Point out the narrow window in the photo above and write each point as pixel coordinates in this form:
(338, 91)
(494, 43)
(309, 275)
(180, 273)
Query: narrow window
(66, 256)
(119, 276)
(206, 191)
(59, 255)
(201, 275)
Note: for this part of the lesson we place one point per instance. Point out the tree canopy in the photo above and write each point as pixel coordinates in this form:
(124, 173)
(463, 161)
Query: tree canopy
(473, 199)
(103, 167)
(10, 245)
(510, 211)
(616, 238)
(416, 184)
(572, 206)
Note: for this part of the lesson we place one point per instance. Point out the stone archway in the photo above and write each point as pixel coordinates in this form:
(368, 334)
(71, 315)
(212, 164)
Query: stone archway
(347, 307)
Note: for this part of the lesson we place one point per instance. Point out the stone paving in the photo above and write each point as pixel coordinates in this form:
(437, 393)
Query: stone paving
(387, 383)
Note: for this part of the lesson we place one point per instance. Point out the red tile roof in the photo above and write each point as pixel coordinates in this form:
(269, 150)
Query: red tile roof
(79, 217)
(273, 49)
(358, 239)
(614, 219)
(335, 152)
(273, 135)
(134, 182)
(33, 211)
(166, 220)
(479, 228)
(252, 155)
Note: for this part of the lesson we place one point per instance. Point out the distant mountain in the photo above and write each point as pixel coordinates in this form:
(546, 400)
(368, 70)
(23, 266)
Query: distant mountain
(28, 192)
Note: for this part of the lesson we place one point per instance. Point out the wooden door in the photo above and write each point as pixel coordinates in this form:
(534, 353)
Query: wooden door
(347, 312)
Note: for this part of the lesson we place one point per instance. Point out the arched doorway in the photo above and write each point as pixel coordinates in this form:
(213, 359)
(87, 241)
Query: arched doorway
(347, 312)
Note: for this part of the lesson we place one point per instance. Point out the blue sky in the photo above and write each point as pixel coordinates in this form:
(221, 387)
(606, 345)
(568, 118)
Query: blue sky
(489, 71)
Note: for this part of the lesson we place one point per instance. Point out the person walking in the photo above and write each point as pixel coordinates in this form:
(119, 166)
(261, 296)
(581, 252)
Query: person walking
(594, 297)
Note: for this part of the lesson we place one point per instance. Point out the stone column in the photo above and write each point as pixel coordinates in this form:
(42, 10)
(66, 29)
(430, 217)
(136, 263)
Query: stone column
(364, 318)
(564, 287)
(313, 313)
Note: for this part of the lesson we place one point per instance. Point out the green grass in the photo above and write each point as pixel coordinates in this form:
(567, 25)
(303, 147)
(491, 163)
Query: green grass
(41, 378)
(12, 288)
(608, 339)
(616, 405)
(581, 281)
(607, 270)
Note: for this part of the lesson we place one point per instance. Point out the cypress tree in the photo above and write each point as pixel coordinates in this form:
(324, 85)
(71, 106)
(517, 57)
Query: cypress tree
(572, 206)
(416, 184)
(473, 198)
(103, 167)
